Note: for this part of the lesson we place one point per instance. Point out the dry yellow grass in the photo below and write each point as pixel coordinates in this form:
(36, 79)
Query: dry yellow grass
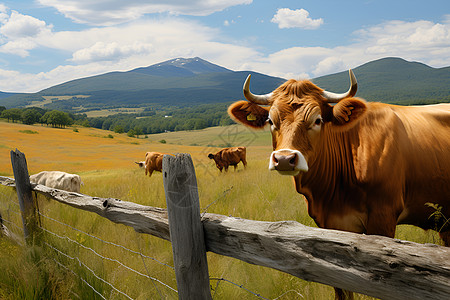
(107, 168)
(86, 150)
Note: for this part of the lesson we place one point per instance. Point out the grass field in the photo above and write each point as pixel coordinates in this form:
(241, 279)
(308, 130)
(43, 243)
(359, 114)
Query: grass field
(106, 166)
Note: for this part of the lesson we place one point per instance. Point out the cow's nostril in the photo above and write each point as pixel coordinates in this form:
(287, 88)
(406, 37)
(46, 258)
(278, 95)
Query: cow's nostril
(284, 162)
(292, 161)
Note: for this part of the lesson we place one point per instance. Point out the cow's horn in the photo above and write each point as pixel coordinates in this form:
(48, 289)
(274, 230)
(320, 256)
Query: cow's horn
(334, 98)
(258, 99)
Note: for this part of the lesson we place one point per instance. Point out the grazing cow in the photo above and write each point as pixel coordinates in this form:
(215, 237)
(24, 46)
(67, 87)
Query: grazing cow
(58, 180)
(362, 166)
(153, 162)
(229, 157)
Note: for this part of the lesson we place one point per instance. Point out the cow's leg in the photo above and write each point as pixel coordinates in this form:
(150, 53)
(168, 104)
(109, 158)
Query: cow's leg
(244, 162)
(150, 172)
(235, 166)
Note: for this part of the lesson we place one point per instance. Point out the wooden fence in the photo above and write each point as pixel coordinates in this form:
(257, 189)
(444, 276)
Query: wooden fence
(373, 265)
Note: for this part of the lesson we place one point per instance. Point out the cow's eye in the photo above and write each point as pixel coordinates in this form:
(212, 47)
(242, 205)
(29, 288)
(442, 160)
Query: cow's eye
(270, 121)
(318, 121)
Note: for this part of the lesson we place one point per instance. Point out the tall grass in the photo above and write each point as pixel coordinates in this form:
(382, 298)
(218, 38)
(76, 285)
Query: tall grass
(107, 169)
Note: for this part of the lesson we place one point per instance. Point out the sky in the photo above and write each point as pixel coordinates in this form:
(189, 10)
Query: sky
(48, 42)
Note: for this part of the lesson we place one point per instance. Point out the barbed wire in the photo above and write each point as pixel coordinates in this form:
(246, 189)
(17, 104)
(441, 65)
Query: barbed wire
(106, 242)
(89, 269)
(290, 291)
(84, 281)
(16, 212)
(110, 259)
(240, 286)
(12, 223)
(10, 200)
(224, 193)
(218, 198)
(148, 273)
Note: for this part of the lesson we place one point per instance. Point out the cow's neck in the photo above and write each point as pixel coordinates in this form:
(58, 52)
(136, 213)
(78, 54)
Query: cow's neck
(331, 169)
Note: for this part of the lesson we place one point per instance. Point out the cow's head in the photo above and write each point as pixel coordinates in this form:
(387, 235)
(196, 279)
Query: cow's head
(219, 164)
(141, 164)
(297, 112)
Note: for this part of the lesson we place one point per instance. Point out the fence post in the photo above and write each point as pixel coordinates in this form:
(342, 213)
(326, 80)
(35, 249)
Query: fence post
(24, 194)
(186, 228)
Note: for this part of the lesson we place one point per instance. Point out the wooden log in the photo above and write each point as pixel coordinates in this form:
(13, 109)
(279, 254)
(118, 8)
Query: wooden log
(376, 266)
(23, 188)
(144, 219)
(186, 229)
(373, 265)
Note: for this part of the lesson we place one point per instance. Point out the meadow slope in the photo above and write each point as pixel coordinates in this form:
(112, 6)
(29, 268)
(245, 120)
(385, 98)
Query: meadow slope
(106, 166)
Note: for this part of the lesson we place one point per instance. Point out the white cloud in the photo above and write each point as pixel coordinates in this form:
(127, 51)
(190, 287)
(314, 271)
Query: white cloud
(121, 48)
(110, 12)
(21, 26)
(101, 51)
(3, 13)
(422, 41)
(18, 47)
(18, 32)
(299, 18)
(144, 42)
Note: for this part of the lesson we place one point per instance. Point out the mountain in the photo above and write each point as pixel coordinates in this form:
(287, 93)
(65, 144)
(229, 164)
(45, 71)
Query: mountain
(394, 80)
(6, 95)
(186, 82)
(181, 67)
(177, 82)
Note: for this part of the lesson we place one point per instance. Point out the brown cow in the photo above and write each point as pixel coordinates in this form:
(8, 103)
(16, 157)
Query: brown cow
(229, 157)
(363, 167)
(153, 162)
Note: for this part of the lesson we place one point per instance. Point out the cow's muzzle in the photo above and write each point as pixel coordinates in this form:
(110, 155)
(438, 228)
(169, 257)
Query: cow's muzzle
(288, 162)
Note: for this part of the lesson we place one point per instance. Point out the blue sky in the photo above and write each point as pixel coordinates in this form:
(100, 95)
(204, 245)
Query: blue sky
(47, 42)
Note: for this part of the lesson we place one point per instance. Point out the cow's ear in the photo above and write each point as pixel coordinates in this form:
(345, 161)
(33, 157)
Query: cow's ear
(249, 114)
(347, 112)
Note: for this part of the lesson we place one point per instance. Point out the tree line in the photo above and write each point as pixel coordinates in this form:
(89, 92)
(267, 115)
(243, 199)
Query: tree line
(35, 115)
(151, 120)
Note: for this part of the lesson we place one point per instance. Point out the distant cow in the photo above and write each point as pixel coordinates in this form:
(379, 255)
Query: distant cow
(153, 162)
(58, 180)
(229, 157)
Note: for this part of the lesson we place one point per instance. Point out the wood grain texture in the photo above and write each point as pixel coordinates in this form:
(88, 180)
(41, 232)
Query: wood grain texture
(186, 229)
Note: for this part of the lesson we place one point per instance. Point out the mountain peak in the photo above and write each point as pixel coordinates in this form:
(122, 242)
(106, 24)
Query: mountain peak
(181, 67)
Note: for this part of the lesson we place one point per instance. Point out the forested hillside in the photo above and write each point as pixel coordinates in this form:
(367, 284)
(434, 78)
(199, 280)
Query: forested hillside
(147, 122)
(192, 82)
(187, 94)
(396, 81)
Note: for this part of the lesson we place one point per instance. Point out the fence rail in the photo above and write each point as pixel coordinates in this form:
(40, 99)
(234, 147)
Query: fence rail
(372, 265)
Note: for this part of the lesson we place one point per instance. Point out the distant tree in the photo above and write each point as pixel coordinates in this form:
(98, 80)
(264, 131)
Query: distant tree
(13, 114)
(138, 131)
(2, 108)
(118, 129)
(30, 116)
(131, 133)
(57, 118)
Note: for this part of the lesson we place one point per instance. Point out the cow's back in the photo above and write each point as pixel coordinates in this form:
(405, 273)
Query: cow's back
(233, 155)
(58, 180)
(404, 152)
(427, 161)
(153, 162)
